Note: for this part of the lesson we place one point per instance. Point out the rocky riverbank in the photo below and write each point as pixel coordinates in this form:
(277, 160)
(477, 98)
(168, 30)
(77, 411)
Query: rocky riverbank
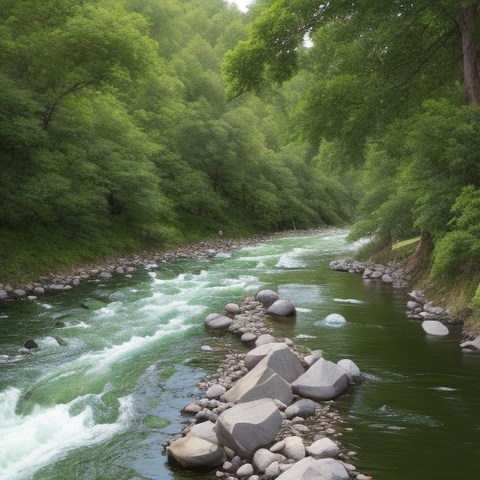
(54, 282)
(268, 412)
(434, 318)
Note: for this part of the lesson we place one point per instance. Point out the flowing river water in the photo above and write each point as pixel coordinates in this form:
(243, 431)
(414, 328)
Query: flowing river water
(104, 392)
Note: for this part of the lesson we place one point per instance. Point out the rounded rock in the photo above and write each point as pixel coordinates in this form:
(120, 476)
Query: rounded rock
(232, 308)
(245, 470)
(282, 308)
(266, 297)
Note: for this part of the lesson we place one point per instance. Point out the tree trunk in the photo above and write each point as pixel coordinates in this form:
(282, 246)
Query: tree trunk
(417, 262)
(466, 21)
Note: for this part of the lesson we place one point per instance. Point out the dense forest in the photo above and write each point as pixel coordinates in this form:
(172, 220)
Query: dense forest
(130, 124)
(115, 134)
(393, 95)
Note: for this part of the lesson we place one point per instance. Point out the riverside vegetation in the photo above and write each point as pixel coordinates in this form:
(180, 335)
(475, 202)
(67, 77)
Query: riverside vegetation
(116, 134)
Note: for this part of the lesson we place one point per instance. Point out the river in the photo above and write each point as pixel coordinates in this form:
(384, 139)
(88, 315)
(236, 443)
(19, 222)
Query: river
(103, 393)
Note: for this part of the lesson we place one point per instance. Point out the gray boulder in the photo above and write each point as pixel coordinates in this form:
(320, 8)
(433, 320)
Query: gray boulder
(245, 470)
(411, 305)
(266, 297)
(351, 369)
(323, 448)
(205, 430)
(264, 339)
(253, 357)
(215, 391)
(218, 323)
(433, 327)
(294, 448)
(248, 337)
(248, 426)
(192, 452)
(473, 345)
(281, 308)
(261, 382)
(417, 296)
(19, 293)
(263, 458)
(311, 469)
(232, 308)
(285, 363)
(301, 408)
(38, 291)
(322, 381)
(3, 294)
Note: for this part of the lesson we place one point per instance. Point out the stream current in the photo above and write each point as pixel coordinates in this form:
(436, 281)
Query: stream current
(104, 392)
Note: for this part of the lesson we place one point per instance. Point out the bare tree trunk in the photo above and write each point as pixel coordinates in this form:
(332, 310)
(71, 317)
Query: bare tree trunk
(466, 23)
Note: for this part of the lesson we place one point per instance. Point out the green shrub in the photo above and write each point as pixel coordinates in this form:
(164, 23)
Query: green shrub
(456, 252)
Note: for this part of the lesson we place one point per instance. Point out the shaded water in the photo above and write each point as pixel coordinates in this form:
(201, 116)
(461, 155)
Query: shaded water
(103, 394)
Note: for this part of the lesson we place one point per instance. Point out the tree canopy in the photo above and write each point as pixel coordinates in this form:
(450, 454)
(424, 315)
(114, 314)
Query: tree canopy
(115, 134)
(393, 94)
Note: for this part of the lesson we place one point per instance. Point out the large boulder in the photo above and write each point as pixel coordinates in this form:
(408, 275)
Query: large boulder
(192, 452)
(324, 380)
(253, 357)
(261, 382)
(433, 327)
(266, 297)
(281, 308)
(248, 426)
(311, 469)
(285, 363)
(205, 430)
(351, 369)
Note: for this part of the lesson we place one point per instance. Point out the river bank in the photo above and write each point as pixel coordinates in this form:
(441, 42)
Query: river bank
(126, 264)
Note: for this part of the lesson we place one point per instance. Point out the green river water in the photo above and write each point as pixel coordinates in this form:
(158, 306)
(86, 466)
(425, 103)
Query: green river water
(103, 402)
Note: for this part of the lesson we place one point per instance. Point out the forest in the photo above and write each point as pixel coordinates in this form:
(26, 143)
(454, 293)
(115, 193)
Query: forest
(137, 124)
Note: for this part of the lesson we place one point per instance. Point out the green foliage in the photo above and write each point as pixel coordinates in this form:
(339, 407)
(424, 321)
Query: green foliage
(455, 253)
(115, 135)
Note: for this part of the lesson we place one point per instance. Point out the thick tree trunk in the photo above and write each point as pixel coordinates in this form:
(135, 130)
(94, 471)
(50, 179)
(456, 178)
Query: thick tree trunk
(417, 263)
(466, 20)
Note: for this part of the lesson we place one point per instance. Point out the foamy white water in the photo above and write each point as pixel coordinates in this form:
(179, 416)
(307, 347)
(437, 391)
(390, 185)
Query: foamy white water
(348, 300)
(292, 259)
(29, 442)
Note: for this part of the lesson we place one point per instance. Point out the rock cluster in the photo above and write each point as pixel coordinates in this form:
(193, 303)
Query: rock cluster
(420, 309)
(392, 273)
(267, 413)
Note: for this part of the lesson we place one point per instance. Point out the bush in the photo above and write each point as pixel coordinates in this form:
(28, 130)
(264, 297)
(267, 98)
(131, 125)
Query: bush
(455, 253)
